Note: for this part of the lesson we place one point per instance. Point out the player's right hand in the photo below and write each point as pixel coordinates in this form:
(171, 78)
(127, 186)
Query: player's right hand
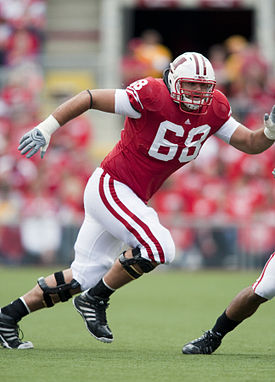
(33, 141)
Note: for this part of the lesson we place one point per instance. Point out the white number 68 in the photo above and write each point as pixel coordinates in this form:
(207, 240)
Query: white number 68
(170, 148)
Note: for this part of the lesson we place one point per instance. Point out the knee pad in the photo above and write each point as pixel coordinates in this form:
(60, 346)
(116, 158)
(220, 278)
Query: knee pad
(62, 289)
(128, 264)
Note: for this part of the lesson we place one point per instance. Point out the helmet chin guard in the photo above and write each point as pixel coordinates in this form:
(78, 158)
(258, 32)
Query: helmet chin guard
(191, 79)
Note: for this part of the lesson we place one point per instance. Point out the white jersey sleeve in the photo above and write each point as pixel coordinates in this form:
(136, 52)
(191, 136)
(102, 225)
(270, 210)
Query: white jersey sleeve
(123, 105)
(227, 129)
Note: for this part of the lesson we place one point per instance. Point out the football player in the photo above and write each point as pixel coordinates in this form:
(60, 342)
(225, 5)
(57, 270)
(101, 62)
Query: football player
(168, 120)
(241, 307)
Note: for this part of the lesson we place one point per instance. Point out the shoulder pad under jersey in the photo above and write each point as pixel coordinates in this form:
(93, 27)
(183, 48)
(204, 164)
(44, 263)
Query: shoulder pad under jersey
(221, 106)
(147, 94)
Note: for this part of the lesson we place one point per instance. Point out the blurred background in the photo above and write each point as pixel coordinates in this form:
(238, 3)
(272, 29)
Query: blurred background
(219, 208)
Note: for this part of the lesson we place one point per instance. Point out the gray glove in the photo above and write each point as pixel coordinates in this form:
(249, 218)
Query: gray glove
(269, 123)
(273, 172)
(31, 142)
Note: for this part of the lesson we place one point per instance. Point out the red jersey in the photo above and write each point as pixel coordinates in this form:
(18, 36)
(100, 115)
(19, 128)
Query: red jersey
(163, 139)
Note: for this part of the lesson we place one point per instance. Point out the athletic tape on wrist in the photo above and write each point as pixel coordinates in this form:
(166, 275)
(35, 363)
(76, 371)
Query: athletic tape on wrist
(49, 125)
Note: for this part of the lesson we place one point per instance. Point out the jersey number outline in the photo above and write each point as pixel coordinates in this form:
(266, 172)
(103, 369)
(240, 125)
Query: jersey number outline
(172, 148)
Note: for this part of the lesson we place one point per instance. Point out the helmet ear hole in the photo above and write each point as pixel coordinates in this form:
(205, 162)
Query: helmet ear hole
(192, 82)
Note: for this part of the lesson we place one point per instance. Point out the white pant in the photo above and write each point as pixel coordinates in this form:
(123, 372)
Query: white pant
(115, 217)
(264, 286)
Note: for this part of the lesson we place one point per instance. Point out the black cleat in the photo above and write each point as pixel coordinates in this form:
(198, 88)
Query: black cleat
(206, 344)
(9, 334)
(93, 312)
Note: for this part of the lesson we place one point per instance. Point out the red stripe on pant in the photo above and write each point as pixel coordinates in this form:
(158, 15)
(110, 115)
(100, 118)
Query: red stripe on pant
(138, 221)
(119, 217)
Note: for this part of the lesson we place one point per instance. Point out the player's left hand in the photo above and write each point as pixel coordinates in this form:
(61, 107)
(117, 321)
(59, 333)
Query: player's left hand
(273, 172)
(31, 142)
(269, 123)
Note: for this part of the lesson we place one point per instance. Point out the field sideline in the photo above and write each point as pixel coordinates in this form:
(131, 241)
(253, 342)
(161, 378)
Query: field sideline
(151, 319)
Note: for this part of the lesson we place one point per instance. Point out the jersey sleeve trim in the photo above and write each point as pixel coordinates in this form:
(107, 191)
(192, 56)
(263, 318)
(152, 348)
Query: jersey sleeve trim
(130, 89)
(227, 129)
(123, 105)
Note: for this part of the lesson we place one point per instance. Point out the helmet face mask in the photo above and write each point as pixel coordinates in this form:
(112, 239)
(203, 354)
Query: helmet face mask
(192, 82)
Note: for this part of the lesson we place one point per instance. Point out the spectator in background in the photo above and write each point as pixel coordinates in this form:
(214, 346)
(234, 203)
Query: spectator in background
(132, 68)
(247, 73)
(151, 52)
(21, 30)
(217, 55)
(23, 45)
(235, 46)
(11, 251)
(24, 13)
(40, 228)
(5, 32)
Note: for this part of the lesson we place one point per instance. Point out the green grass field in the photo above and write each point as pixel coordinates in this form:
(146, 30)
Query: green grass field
(151, 319)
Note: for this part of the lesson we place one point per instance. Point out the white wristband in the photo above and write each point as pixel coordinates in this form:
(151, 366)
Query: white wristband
(49, 125)
(269, 134)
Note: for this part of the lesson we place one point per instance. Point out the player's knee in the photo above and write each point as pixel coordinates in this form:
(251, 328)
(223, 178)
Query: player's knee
(135, 265)
(163, 251)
